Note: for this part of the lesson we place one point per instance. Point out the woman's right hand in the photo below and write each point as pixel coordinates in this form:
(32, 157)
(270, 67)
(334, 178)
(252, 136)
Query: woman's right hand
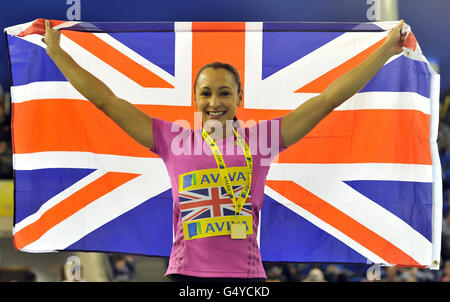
(52, 37)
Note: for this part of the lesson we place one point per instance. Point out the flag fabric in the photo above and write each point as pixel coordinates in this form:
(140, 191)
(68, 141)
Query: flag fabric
(210, 202)
(363, 186)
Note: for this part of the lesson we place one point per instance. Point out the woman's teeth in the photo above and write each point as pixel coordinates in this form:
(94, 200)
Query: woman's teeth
(216, 113)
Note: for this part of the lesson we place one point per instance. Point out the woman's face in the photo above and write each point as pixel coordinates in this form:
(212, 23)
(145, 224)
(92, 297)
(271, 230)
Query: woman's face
(216, 95)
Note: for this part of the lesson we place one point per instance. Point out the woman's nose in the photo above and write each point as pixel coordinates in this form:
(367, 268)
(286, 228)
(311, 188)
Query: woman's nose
(214, 101)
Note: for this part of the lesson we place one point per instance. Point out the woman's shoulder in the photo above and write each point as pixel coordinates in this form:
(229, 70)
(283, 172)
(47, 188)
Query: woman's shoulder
(165, 133)
(263, 128)
(169, 127)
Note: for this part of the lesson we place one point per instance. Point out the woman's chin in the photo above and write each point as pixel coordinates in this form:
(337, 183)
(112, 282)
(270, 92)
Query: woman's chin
(221, 119)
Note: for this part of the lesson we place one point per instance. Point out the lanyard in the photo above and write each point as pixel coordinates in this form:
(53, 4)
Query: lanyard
(224, 173)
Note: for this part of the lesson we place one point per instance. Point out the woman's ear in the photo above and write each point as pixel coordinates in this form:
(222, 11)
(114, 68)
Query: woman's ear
(239, 99)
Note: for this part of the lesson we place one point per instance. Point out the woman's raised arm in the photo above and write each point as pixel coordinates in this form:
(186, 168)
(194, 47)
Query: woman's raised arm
(304, 118)
(133, 121)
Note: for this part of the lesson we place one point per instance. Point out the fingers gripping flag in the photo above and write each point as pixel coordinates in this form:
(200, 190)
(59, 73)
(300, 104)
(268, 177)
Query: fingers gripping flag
(363, 185)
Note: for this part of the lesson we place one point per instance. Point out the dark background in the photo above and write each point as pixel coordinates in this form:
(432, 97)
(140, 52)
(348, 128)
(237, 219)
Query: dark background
(429, 19)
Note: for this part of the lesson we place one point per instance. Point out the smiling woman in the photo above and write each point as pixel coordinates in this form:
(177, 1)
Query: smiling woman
(217, 197)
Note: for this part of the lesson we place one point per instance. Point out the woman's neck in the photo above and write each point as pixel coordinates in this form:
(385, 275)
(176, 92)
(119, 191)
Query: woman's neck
(221, 132)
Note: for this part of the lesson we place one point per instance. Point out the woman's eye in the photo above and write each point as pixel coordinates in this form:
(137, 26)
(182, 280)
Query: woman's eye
(208, 94)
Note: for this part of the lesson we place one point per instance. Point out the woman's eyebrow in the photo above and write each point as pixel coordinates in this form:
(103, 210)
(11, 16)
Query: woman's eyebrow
(221, 87)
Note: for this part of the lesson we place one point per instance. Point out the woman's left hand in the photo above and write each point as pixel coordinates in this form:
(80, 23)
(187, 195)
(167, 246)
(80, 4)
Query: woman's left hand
(395, 38)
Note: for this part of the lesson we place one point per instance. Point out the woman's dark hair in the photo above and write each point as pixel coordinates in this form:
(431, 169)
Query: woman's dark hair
(217, 65)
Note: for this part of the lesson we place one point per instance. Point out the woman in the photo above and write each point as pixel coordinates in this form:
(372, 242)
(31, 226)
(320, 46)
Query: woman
(224, 244)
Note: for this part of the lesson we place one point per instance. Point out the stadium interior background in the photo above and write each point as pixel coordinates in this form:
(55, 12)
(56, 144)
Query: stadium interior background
(428, 19)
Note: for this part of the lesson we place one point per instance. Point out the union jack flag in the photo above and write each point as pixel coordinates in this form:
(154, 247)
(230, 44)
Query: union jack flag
(210, 202)
(363, 185)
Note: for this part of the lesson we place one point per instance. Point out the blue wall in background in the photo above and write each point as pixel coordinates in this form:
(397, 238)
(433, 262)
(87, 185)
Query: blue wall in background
(429, 19)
